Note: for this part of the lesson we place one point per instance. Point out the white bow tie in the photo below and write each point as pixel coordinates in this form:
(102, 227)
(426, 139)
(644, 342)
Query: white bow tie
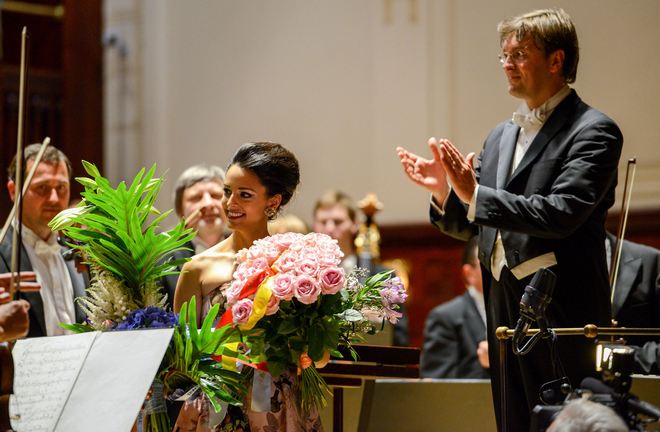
(41, 248)
(531, 121)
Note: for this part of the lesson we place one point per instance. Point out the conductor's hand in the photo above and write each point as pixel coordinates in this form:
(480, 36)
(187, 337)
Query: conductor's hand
(459, 169)
(428, 173)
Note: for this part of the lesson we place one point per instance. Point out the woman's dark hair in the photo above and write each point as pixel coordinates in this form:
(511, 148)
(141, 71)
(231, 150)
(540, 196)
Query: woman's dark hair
(276, 167)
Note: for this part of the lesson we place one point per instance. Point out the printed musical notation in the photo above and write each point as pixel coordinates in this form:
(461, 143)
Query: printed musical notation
(45, 372)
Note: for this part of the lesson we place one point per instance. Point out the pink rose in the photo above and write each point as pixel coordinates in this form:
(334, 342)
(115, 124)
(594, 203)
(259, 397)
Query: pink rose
(234, 290)
(306, 289)
(255, 251)
(286, 263)
(308, 267)
(242, 311)
(241, 256)
(260, 264)
(298, 245)
(329, 259)
(283, 241)
(282, 287)
(332, 280)
(273, 305)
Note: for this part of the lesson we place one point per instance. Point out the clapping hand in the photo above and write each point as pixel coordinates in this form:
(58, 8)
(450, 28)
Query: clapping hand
(459, 169)
(447, 167)
(428, 173)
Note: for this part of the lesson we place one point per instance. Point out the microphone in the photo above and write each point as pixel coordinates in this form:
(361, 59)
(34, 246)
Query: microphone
(630, 401)
(535, 299)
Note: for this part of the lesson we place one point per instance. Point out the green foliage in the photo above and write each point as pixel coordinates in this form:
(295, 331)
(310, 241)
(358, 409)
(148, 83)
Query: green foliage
(190, 360)
(112, 230)
(77, 328)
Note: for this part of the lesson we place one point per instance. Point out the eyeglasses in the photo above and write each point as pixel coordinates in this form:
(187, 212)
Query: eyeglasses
(517, 57)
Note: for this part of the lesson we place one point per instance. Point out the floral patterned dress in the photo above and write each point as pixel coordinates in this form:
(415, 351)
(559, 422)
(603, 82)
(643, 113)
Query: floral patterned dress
(284, 414)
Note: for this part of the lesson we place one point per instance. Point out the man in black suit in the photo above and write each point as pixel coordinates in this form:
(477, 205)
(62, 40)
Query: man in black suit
(537, 197)
(636, 298)
(454, 330)
(197, 196)
(47, 195)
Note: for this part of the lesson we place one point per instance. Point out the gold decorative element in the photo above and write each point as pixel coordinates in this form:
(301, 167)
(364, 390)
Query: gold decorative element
(26, 8)
(367, 241)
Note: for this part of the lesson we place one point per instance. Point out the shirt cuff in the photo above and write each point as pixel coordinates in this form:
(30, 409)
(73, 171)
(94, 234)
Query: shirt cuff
(472, 209)
(440, 207)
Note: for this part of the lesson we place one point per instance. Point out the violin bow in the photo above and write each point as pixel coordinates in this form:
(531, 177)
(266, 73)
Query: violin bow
(18, 201)
(623, 220)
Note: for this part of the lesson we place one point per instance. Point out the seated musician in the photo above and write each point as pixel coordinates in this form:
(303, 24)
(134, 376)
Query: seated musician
(636, 301)
(47, 195)
(455, 333)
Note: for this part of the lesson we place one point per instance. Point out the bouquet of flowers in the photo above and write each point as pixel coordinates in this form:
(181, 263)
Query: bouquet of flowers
(127, 257)
(291, 287)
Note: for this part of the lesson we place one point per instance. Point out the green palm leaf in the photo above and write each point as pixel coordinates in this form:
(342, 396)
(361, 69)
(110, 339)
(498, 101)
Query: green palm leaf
(112, 229)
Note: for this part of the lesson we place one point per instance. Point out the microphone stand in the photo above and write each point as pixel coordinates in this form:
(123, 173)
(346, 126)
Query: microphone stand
(589, 331)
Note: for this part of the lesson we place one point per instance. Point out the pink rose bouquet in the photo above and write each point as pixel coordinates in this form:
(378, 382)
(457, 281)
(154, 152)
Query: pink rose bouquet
(292, 288)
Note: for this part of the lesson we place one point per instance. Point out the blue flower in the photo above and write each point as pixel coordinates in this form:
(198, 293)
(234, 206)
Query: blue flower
(150, 317)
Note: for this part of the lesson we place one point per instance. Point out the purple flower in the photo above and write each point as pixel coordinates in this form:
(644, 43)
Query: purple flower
(150, 317)
(393, 292)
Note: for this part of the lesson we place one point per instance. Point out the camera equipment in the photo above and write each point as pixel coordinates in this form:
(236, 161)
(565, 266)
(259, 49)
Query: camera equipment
(627, 403)
(613, 393)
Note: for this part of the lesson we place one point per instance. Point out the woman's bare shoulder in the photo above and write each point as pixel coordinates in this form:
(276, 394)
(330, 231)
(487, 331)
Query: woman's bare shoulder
(211, 267)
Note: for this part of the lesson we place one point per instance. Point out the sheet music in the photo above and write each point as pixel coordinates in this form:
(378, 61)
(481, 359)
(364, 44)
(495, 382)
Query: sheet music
(45, 370)
(114, 381)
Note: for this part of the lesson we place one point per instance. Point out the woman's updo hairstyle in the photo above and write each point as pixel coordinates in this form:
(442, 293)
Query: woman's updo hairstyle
(276, 167)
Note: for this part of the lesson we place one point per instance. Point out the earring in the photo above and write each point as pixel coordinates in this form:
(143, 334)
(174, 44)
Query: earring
(270, 213)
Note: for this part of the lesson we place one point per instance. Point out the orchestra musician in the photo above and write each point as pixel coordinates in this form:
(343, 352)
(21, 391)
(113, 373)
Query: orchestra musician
(47, 195)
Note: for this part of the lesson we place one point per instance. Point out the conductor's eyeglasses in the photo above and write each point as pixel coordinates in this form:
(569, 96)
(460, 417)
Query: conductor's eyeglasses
(517, 57)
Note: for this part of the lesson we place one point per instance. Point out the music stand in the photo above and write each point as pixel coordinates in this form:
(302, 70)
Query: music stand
(373, 362)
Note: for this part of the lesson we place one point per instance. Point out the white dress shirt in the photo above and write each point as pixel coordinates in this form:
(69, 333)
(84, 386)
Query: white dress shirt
(530, 122)
(54, 278)
(478, 298)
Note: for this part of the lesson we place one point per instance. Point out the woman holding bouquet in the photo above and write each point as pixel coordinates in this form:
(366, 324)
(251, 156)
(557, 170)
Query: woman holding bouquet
(260, 179)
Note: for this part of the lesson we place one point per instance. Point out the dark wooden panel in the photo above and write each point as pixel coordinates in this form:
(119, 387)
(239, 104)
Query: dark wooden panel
(643, 226)
(83, 86)
(45, 38)
(64, 98)
(434, 260)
